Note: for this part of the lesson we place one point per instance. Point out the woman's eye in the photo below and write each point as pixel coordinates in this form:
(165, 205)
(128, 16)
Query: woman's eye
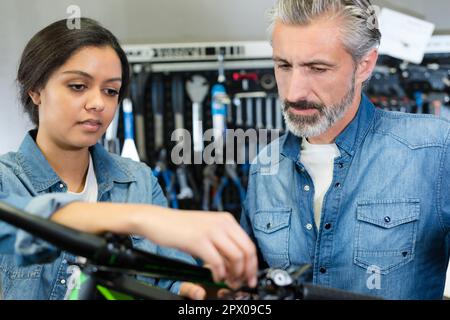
(77, 87)
(112, 92)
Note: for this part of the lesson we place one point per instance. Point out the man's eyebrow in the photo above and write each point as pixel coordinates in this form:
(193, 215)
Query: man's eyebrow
(87, 75)
(278, 59)
(317, 62)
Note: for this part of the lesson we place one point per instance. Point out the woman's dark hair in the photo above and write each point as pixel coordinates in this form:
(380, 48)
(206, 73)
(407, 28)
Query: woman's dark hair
(51, 47)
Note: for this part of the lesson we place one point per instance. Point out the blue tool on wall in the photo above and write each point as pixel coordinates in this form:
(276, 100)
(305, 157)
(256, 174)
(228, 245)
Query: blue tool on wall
(229, 178)
(162, 171)
(418, 96)
(219, 103)
(129, 149)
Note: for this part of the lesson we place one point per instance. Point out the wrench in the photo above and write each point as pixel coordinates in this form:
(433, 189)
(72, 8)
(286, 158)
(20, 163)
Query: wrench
(237, 102)
(249, 122)
(158, 107)
(197, 89)
(229, 114)
(178, 110)
(178, 104)
(138, 85)
(279, 116)
(220, 58)
(269, 113)
(185, 191)
(112, 143)
(259, 118)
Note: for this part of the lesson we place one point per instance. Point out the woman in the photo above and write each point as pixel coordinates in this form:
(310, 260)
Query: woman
(71, 82)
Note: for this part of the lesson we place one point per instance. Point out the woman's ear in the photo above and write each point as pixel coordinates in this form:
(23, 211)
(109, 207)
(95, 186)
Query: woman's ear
(35, 97)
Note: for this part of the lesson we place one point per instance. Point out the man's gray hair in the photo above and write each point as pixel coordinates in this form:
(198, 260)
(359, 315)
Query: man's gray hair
(360, 33)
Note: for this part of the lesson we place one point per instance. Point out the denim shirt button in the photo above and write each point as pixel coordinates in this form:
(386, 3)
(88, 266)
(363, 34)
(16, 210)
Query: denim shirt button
(309, 226)
(306, 188)
(61, 186)
(387, 219)
(341, 165)
(300, 169)
(63, 281)
(322, 270)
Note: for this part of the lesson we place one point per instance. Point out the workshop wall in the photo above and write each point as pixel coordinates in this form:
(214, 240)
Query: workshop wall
(141, 21)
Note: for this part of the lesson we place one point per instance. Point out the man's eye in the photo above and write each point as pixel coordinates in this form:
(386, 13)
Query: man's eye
(112, 92)
(283, 66)
(77, 87)
(318, 70)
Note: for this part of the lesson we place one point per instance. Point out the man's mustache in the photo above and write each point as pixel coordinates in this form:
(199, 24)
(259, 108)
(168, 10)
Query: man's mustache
(303, 105)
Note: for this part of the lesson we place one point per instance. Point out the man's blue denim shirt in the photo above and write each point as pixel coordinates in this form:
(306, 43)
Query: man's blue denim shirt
(385, 218)
(28, 182)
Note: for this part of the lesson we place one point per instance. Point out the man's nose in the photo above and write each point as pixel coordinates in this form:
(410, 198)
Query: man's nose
(299, 86)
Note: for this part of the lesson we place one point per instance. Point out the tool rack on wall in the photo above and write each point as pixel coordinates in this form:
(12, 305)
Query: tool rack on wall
(166, 78)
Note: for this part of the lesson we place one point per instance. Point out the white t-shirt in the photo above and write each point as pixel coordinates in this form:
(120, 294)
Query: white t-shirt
(90, 191)
(89, 194)
(318, 160)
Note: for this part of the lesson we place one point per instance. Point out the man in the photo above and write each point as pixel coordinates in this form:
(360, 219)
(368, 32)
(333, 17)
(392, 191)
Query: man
(361, 194)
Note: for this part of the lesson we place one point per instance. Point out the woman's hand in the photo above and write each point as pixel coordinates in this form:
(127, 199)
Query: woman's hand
(214, 237)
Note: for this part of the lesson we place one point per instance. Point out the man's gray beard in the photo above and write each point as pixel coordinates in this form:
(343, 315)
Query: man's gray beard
(319, 123)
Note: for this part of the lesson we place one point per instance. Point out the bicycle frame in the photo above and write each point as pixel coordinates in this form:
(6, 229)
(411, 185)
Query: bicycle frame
(111, 263)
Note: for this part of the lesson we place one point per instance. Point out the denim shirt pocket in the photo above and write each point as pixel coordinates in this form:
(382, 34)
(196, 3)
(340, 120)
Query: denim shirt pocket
(271, 228)
(17, 282)
(386, 233)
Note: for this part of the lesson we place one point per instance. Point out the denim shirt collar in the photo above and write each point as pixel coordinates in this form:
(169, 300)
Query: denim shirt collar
(348, 140)
(352, 136)
(33, 163)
